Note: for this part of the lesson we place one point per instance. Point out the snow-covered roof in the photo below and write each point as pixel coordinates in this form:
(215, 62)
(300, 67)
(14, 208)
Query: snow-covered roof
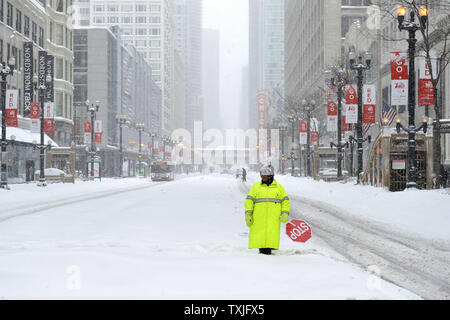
(26, 136)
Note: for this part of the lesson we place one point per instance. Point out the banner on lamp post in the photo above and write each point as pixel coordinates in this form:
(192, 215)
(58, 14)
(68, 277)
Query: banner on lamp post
(27, 77)
(35, 115)
(303, 132)
(399, 79)
(332, 108)
(98, 131)
(49, 115)
(351, 113)
(369, 104)
(332, 123)
(426, 89)
(11, 108)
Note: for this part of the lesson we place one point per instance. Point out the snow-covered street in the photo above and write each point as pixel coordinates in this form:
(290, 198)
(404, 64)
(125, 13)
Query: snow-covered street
(187, 239)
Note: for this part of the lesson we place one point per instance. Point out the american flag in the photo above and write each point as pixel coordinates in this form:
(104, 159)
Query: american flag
(365, 128)
(330, 85)
(387, 113)
(324, 91)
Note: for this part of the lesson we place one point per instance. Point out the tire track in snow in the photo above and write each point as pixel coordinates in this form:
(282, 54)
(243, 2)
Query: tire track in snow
(16, 212)
(417, 264)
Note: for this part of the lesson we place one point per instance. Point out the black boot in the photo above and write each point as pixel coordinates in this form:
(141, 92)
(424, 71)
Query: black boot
(266, 251)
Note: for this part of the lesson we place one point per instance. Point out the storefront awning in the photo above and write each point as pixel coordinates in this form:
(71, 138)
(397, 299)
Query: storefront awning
(26, 136)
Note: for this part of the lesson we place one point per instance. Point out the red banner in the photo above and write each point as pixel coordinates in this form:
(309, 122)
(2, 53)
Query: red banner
(49, 126)
(426, 90)
(399, 66)
(314, 137)
(303, 126)
(87, 127)
(98, 137)
(35, 110)
(369, 114)
(332, 108)
(11, 118)
(11, 108)
(351, 96)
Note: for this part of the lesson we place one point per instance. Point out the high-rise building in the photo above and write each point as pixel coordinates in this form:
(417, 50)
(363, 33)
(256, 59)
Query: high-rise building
(266, 60)
(188, 35)
(314, 36)
(211, 78)
(149, 26)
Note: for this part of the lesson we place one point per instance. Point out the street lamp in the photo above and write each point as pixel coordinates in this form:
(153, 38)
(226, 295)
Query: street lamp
(153, 145)
(41, 84)
(293, 119)
(6, 69)
(308, 107)
(121, 120)
(140, 127)
(92, 109)
(165, 140)
(339, 82)
(283, 129)
(360, 67)
(412, 28)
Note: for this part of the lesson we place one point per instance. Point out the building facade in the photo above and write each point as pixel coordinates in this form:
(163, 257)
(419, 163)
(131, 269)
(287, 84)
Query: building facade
(117, 77)
(266, 55)
(43, 24)
(211, 79)
(148, 26)
(188, 42)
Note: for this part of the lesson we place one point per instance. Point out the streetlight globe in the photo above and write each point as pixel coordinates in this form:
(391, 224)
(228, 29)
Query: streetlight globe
(304, 102)
(401, 12)
(12, 61)
(424, 11)
(313, 102)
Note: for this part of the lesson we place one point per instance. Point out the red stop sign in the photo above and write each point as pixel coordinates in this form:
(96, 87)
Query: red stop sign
(298, 230)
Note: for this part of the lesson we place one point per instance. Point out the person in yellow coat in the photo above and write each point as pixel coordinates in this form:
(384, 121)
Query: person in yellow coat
(266, 206)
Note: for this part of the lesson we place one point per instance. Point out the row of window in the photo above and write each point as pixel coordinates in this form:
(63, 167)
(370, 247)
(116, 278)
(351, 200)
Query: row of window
(25, 26)
(141, 31)
(144, 43)
(126, 19)
(127, 8)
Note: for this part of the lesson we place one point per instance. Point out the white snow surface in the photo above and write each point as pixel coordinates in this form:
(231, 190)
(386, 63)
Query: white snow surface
(185, 239)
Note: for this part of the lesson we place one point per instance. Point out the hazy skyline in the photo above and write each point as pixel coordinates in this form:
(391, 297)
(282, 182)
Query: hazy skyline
(230, 17)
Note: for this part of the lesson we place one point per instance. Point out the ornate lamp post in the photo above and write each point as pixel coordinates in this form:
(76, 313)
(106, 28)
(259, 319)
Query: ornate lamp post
(360, 67)
(412, 28)
(121, 120)
(140, 127)
(339, 82)
(283, 129)
(41, 84)
(6, 69)
(308, 107)
(92, 109)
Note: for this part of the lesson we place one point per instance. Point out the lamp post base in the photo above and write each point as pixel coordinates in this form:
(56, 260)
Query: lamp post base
(5, 186)
(42, 183)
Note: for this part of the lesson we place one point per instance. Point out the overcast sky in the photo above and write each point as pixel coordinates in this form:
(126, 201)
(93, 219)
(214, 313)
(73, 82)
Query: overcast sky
(230, 17)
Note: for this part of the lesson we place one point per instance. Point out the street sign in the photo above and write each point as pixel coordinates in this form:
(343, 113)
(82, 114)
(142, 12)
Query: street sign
(298, 230)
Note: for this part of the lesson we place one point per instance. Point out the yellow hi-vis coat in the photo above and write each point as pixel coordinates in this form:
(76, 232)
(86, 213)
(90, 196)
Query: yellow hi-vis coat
(265, 205)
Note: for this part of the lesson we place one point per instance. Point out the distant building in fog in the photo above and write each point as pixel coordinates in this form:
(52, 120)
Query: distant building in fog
(211, 81)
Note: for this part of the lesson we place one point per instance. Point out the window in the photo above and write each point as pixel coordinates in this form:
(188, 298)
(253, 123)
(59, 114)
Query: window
(155, 31)
(19, 20)
(99, 8)
(1, 50)
(99, 19)
(50, 35)
(156, 66)
(84, 10)
(127, 8)
(141, 8)
(59, 37)
(155, 55)
(1, 10)
(127, 20)
(127, 31)
(155, 8)
(141, 43)
(84, 23)
(155, 43)
(155, 20)
(41, 37)
(34, 32)
(141, 32)
(141, 19)
(59, 71)
(113, 19)
(113, 7)
(60, 5)
(9, 15)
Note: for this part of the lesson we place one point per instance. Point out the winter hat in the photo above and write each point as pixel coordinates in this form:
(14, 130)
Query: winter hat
(267, 170)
